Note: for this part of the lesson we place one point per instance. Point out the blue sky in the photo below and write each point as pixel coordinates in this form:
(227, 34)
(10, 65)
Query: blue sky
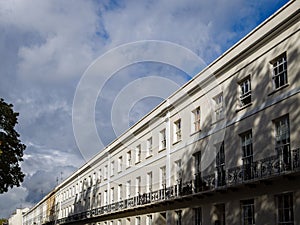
(46, 46)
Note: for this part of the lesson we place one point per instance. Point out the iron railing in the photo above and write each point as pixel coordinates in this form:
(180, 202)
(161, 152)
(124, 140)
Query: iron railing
(262, 169)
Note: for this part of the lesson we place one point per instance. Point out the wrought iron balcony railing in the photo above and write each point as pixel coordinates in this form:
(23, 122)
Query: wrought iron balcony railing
(262, 169)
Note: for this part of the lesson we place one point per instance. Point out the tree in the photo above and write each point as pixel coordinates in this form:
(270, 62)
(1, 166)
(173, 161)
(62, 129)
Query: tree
(3, 221)
(11, 149)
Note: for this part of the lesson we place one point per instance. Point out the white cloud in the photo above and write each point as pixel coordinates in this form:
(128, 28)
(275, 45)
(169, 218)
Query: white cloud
(45, 46)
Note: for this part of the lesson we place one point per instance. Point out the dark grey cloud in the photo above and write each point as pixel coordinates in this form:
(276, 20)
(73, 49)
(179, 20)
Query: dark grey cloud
(45, 47)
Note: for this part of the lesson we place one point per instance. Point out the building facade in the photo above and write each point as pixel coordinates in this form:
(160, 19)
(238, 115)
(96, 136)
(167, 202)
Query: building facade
(17, 217)
(223, 149)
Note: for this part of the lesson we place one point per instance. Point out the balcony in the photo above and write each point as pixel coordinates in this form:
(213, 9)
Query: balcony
(260, 170)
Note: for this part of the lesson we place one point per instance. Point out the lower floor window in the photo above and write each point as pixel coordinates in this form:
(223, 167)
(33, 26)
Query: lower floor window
(248, 212)
(179, 217)
(198, 216)
(285, 213)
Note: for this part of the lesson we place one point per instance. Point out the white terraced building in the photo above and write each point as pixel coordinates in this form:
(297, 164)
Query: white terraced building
(223, 149)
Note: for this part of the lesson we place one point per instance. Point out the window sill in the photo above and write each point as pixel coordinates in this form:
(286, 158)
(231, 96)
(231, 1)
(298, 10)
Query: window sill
(195, 132)
(217, 121)
(243, 107)
(176, 142)
(149, 156)
(278, 89)
(162, 149)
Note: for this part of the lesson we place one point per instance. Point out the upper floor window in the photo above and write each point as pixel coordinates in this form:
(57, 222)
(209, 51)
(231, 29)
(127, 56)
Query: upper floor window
(178, 170)
(120, 192)
(177, 130)
(162, 139)
(149, 146)
(279, 71)
(247, 150)
(138, 185)
(196, 120)
(105, 172)
(128, 160)
(138, 152)
(120, 163)
(220, 164)
(128, 189)
(149, 182)
(112, 168)
(163, 176)
(245, 90)
(282, 145)
(285, 212)
(112, 195)
(218, 101)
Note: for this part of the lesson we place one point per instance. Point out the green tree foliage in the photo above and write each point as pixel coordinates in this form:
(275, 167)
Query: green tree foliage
(11, 149)
(3, 221)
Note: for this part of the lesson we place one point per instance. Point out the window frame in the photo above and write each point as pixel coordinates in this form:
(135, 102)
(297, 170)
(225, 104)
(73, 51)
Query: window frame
(196, 120)
(290, 208)
(149, 147)
(219, 107)
(177, 126)
(245, 90)
(276, 63)
(249, 205)
(162, 139)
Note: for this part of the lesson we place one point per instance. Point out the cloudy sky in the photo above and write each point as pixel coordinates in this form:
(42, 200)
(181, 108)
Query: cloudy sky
(46, 47)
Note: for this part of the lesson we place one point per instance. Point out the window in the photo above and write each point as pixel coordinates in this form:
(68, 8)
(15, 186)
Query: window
(178, 170)
(128, 187)
(245, 86)
(196, 120)
(99, 199)
(247, 150)
(220, 213)
(105, 199)
(120, 163)
(149, 220)
(179, 217)
(94, 178)
(119, 222)
(138, 152)
(120, 192)
(248, 212)
(177, 130)
(149, 147)
(163, 176)
(112, 195)
(112, 168)
(220, 164)
(285, 212)
(128, 161)
(138, 220)
(279, 71)
(100, 175)
(162, 139)
(282, 144)
(149, 182)
(138, 185)
(198, 216)
(105, 172)
(218, 102)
